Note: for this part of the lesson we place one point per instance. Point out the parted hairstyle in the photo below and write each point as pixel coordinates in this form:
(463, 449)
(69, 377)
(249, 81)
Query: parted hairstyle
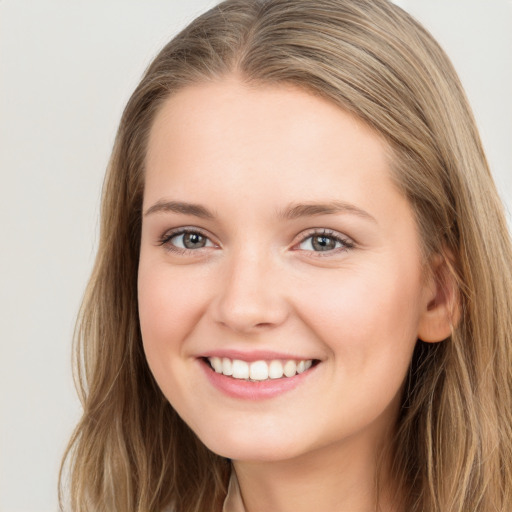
(453, 444)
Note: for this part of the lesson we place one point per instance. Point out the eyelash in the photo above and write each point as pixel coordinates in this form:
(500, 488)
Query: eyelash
(165, 240)
(347, 244)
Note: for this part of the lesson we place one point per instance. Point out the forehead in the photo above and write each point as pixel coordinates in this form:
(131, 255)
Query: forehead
(262, 128)
(229, 103)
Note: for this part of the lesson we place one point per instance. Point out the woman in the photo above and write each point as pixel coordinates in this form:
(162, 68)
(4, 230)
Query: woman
(303, 286)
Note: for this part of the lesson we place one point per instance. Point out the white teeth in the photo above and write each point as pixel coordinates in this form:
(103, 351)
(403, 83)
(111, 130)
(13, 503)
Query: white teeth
(290, 368)
(275, 370)
(259, 370)
(227, 366)
(240, 369)
(216, 364)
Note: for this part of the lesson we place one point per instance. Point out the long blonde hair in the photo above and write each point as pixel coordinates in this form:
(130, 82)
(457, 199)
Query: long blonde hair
(453, 449)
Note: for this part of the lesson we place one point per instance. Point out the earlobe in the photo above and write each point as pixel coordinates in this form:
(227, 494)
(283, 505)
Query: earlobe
(441, 309)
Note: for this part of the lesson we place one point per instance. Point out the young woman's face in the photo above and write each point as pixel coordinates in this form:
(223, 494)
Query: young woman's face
(274, 240)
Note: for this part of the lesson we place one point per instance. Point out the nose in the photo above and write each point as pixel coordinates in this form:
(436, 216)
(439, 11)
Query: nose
(251, 294)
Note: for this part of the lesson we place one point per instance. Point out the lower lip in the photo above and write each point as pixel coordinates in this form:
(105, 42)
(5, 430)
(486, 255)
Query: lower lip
(259, 390)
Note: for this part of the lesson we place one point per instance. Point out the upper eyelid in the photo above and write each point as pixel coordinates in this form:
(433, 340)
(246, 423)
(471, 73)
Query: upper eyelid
(171, 233)
(347, 242)
(326, 232)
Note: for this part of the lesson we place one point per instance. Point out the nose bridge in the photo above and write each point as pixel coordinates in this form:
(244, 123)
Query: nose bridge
(249, 296)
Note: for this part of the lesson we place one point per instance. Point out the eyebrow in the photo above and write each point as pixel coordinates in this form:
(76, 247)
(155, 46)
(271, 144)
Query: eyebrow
(196, 210)
(298, 210)
(291, 212)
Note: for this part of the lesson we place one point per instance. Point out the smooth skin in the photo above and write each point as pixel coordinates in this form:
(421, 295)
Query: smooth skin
(248, 276)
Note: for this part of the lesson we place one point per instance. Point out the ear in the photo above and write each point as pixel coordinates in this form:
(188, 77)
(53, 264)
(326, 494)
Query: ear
(441, 307)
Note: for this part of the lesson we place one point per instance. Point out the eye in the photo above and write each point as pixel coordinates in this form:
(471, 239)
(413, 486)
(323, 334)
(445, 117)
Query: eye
(185, 240)
(325, 241)
(189, 240)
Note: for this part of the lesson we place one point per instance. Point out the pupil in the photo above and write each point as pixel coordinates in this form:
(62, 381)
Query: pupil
(323, 243)
(193, 240)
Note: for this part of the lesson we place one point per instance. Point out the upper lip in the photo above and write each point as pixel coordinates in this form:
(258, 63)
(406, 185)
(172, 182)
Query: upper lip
(254, 355)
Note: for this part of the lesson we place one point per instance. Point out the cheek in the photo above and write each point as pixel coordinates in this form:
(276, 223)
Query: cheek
(368, 323)
(366, 314)
(170, 305)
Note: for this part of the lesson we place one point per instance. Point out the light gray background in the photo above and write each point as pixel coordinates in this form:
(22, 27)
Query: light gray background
(66, 70)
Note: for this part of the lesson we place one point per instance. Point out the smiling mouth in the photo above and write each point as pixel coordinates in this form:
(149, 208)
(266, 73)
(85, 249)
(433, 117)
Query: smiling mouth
(258, 371)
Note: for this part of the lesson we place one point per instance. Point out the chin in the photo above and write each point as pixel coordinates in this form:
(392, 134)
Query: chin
(249, 446)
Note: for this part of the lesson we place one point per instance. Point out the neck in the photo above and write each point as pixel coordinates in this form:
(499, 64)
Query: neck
(340, 477)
